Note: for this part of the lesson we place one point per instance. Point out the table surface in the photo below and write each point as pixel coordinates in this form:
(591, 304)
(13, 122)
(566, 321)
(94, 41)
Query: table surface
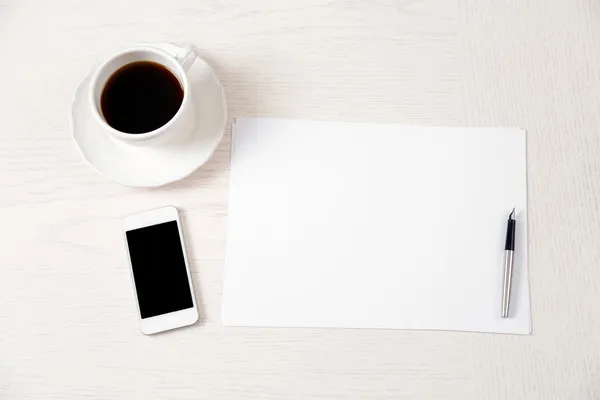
(67, 316)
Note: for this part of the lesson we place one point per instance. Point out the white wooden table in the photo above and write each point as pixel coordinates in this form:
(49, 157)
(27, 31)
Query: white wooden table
(67, 318)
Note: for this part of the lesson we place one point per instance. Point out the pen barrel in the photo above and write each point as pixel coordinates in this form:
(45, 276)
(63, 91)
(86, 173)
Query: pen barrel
(507, 282)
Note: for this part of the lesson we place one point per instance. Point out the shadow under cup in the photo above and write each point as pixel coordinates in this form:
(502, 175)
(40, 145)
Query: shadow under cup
(140, 93)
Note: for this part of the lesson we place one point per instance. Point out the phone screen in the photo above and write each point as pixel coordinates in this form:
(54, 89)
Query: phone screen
(159, 269)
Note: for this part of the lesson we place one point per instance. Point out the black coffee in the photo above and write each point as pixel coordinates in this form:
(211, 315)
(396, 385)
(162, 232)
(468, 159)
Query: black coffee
(140, 97)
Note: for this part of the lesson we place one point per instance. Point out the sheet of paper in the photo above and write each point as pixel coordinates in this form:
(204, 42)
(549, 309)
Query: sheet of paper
(374, 226)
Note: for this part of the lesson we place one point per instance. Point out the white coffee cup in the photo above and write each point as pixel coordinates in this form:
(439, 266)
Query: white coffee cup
(182, 123)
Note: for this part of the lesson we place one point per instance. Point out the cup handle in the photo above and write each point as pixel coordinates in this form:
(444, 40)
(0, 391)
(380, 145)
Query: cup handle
(186, 57)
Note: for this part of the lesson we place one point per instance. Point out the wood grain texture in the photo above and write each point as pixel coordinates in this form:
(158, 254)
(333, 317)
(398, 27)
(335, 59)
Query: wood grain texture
(67, 317)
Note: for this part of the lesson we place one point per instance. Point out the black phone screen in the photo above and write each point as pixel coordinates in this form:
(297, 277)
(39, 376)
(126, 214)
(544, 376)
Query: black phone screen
(159, 270)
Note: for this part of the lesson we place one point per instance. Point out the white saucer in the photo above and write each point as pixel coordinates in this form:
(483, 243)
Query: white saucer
(141, 166)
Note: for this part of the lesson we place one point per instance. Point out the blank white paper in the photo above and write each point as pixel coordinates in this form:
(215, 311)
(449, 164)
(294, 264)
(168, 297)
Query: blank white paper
(355, 225)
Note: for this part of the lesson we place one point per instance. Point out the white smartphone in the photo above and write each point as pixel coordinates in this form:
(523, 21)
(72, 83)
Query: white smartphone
(160, 270)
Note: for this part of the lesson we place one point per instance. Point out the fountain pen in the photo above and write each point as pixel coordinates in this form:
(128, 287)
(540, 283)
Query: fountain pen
(509, 251)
